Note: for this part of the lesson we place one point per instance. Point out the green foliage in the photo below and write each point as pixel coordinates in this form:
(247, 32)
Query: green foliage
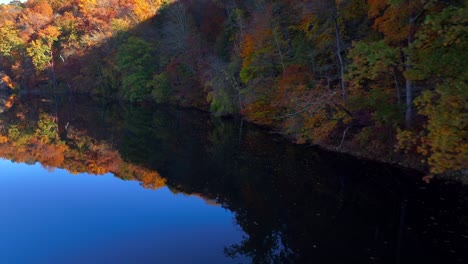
(303, 51)
(135, 87)
(371, 61)
(69, 31)
(372, 81)
(247, 74)
(441, 45)
(40, 54)
(161, 88)
(386, 112)
(223, 102)
(224, 43)
(19, 137)
(41, 50)
(134, 62)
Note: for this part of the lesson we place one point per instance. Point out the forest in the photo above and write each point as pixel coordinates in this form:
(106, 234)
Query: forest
(383, 79)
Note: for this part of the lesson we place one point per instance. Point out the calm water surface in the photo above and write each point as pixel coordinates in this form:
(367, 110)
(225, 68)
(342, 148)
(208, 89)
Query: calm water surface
(100, 182)
(55, 217)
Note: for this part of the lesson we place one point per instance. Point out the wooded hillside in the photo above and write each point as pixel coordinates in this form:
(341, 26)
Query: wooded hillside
(386, 79)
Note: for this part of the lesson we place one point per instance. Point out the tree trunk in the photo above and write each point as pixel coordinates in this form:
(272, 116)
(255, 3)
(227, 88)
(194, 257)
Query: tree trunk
(278, 47)
(397, 87)
(409, 83)
(409, 101)
(340, 59)
(52, 70)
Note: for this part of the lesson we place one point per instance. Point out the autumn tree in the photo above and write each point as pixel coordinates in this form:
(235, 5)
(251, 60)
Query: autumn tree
(399, 21)
(11, 46)
(42, 53)
(436, 56)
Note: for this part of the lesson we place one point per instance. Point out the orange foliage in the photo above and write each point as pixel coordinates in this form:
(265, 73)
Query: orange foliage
(395, 21)
(77, 153)
(50, 155)
(253, 42)
(261, 112)
(51, 32)
(248, 46)
(6, 79)
(42, 7)
(391, 25)
(10, 101)
(3, 139)
(34, 17)
(295, 79)
(375, 7)
(151, 179)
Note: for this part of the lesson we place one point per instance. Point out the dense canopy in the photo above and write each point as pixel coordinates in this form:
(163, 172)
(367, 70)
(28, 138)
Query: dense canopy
(379, 78)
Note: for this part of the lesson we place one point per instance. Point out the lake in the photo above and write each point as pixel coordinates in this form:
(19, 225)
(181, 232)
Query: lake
(85, 181)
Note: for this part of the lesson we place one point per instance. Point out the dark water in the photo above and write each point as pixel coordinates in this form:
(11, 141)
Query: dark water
(177, 186)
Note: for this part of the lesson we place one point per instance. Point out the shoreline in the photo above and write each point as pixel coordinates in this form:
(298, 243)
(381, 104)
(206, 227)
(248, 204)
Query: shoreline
(394, 159)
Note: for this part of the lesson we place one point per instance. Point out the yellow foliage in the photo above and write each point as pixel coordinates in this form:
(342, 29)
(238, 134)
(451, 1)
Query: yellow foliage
(318, 127)
(444, 143)
(50, 32)
(86, 5)
(142, 10)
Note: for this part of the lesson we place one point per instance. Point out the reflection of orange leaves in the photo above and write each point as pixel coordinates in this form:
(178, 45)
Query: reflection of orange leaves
(94, 168)
(152, 179)
(50, 154)
(105, 157)
(79, 154)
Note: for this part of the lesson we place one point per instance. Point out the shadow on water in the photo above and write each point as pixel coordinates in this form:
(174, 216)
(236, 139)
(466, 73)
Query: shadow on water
(295, 204)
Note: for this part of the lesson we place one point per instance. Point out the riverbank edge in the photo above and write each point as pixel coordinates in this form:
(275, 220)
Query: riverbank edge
(394, 158)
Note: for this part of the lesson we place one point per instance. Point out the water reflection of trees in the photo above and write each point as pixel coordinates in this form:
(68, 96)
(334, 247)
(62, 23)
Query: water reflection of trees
(32, 135)
(295, 204)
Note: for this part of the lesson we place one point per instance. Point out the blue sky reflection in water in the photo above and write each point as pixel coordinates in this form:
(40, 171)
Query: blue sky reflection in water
(54, 217)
